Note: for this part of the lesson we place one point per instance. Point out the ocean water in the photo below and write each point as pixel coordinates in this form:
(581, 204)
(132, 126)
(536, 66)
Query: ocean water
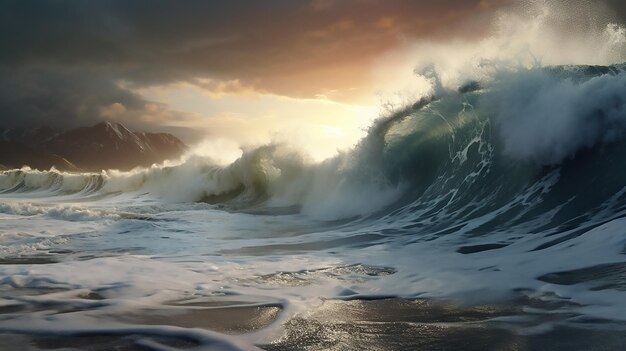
(487, 218)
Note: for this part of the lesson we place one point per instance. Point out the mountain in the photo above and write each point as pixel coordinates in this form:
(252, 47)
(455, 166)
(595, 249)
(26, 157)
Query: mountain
(16, 155)
(31, 136)
(103, 146)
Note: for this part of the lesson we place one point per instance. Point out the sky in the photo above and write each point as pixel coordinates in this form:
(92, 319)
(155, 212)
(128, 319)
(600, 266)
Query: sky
(246, 72)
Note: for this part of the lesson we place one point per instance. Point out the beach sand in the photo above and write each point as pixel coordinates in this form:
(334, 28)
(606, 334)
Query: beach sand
(370, 324)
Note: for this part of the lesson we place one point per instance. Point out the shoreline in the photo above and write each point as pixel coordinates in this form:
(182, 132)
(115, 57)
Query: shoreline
(388, 323)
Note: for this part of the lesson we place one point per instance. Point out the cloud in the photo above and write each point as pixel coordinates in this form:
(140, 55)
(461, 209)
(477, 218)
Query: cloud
(218, 88)
(62, 61)
(113, 111)
(385, 22)
(155, 42)
(63, 97)
(60, 96)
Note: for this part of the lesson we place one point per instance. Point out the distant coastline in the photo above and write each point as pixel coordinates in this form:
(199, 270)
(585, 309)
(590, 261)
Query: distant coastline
(102, 146)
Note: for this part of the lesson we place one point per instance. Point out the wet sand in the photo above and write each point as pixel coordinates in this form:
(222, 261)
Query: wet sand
(398, 324)
(228, 320)
(376, 324)
(225, 317)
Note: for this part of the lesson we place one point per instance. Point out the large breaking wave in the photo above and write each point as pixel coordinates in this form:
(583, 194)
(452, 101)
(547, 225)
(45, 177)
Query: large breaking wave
(531, 143)
(508, 184)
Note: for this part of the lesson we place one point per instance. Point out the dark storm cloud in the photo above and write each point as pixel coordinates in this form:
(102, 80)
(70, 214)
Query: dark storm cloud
(60, 96)
(62, 60)
(154, 41)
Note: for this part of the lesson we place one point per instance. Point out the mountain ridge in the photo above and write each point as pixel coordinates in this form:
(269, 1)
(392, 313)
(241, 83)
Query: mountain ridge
(106, 145)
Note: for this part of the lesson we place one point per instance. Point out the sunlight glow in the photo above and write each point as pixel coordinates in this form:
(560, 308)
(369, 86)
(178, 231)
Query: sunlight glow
(318, 127)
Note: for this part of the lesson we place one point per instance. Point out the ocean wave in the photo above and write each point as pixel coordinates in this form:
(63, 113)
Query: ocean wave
(483, 148)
